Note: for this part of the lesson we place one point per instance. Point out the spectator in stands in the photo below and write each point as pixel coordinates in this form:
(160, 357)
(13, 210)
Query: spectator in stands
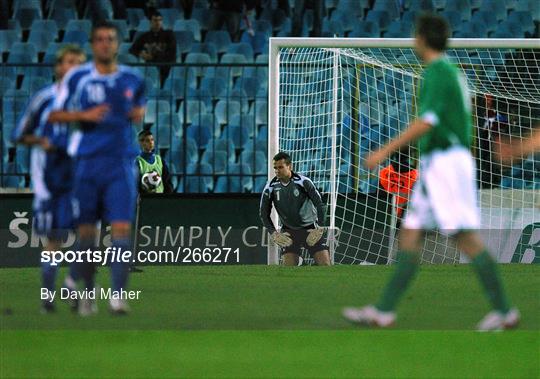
(398, 179)
(149, 161)
(229, 13)
(4, 14)
(156, 46)
(298, 17)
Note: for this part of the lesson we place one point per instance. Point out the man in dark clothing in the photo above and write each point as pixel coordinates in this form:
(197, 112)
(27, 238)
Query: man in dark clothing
(229, 12)
(156, 45)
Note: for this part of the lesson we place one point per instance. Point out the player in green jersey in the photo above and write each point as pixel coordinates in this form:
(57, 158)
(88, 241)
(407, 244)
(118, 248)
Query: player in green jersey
(444, 196)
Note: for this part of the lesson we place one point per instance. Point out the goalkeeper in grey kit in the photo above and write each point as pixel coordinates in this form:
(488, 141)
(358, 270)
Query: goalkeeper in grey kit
(300, 210)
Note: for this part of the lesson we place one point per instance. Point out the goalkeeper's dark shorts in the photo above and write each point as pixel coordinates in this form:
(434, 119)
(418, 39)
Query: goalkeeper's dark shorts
(299, 241)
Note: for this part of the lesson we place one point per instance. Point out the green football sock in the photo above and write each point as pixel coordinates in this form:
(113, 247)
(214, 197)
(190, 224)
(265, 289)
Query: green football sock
(406, 268)
(486, 268)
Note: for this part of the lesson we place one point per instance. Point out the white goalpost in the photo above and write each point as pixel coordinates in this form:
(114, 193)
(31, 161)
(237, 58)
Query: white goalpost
(333, 100)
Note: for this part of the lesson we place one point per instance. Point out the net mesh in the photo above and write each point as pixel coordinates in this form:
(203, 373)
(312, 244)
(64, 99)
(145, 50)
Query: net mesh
(364, 97)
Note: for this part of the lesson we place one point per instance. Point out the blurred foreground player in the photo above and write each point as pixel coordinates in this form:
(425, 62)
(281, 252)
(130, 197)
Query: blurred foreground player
(444, 196)
(103, 98)
(300, 210)
(50, 168)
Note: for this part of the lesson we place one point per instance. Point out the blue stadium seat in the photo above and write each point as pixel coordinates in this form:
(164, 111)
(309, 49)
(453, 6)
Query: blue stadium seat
(197, 59)
(176, 153)
(421, 6)
(184, 41)
(170, 16)
(381, 18)
(496, 8)
(202, 16)
(81, 25)
(32, 84)
(134, 16)
(201, 134)
(231, 72)
(398, 29)
(242, 48)
(255, 159)
(511, 28)
(260, 182)
(366, 29)
(472, 30)
(390, 6)
(12, 180)
(226, 184)
(171, 121)
(217, 159)
(155, 107)
(353, 7)
(487, 19)
(206, 48)
(78, 37)
(123, 31)
(28, 4)
(454, 19)
(461, 6)
(225, 145)
(220, 38)
(195, 110)
(189, 25)
(524, 19)
(238, 134)
(62, 16)
(47, 27)
(7, 39)
(201, 94)
(249, 85)
(332, 28)
(347, 20)
(217, 87)
(26, 16)
(225, 110)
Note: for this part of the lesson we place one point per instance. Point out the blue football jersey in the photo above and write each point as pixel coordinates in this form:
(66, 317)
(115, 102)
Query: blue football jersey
(50, 171)
(84, 88)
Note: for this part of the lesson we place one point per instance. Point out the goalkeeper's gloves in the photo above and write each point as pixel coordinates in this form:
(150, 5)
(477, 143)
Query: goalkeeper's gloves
(314, 235)
(282, 239)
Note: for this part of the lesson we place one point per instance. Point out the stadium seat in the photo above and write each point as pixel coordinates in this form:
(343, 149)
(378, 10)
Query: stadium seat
(381, 18)
(202, 16)
(255, 159)
(511, 28)
(473, 30)
(197, 59)
(463, 7)
(206, 48)
(7, 39)
(14, 177)
(525, 20)
(220, 38)
(62, 16)
(155, 107)
(195, 110)
(454, 19)
(46, 27)
(26, 16)
(260, 182)
(201, 134)
(225, 71)
(421, 6)
(176, 153)
(134, 16)
(238, 134)
(217, 87)
(353, 7)
(347, 20)
(28, 4)
(391, 7)
(123, 31)
(217, 159)
(78, 37)
(32, 84)
(225, 145)
(184, 41)
(242, 48)
(81, 25)
(487, 19)
(366, 29)
(225, 110)
(190, 25)
(170, 16)
(497, 8)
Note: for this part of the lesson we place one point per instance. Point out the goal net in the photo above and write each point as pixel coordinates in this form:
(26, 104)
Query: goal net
(332, 101)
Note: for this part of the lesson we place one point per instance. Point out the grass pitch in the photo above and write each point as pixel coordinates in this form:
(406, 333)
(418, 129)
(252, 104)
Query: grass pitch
(260, 321)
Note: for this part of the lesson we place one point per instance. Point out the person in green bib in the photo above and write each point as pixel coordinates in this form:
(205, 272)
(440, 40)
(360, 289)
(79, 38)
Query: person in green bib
(445, 196)
(149, 162)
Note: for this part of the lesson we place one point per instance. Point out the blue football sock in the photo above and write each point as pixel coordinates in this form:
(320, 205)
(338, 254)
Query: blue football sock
(48, 275)
(120, 270)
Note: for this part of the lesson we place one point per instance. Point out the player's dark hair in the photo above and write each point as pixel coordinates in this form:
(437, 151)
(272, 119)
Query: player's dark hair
(144, 133)
(434, 29)
(282, 155)
(102, 24)
(154, 13)
(69, 49)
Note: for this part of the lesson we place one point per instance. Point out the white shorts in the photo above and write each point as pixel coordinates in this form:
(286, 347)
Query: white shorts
(445, 196)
